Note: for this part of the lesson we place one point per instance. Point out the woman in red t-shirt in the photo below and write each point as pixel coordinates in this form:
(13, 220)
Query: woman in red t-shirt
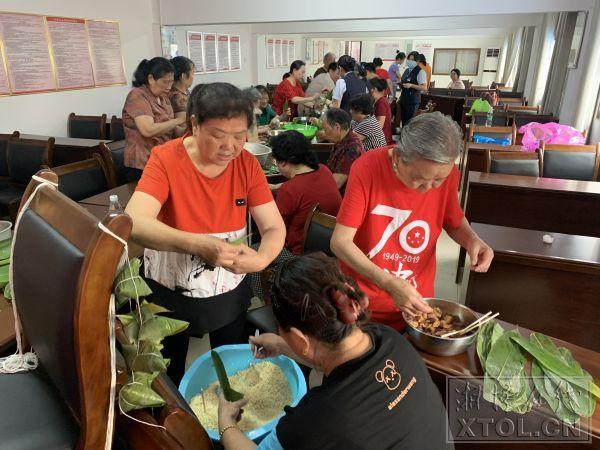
(289, 91)
(396, 204)
(309, 183)
(192, 201)
(382, 109)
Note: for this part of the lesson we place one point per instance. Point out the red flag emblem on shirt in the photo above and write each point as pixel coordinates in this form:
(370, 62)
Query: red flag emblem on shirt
(416, 237)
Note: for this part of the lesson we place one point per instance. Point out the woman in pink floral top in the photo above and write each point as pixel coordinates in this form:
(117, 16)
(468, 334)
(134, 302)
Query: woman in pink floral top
(148, 117)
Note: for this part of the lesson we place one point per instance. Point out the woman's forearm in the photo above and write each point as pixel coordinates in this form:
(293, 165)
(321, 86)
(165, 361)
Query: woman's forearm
(463, 234)
(152, 233)
(159, 128)
(271, 242)
(302, 100)
(235, 439)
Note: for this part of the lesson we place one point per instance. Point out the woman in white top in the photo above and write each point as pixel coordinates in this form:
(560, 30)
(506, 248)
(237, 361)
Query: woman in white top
(456, 83)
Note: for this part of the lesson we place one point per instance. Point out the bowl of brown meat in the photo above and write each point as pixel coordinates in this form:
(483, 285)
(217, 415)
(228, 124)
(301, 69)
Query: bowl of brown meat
(425, 330)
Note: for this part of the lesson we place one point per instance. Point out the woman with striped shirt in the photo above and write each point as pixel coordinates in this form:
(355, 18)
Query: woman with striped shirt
(365, 124)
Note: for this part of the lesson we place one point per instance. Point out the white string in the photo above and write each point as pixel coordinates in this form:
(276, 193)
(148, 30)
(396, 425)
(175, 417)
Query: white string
(19, 361)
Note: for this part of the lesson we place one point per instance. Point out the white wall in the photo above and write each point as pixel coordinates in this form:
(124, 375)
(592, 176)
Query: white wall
(47, 113)
(241, 78)
(243, 11)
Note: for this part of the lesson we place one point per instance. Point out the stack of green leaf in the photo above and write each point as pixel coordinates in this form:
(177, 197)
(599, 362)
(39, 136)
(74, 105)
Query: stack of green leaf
(144, 330)
(5, 247)
(559, 379)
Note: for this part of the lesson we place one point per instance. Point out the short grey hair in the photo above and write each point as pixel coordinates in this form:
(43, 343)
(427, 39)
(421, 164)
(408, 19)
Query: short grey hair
(432, 136)
(252, 94)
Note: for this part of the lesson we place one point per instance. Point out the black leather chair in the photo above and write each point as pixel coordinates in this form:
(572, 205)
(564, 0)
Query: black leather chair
(499, 119)
(24, 158)
(318, 230)
(64, 268)
(117, 132)
(113, 155)
(87, 127)
(4, 138)
(571, 162)
(514, 163)
(83, 179)
(521, 119)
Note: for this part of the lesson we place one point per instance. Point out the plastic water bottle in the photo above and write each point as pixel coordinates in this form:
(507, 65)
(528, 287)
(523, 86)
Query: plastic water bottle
(114, 207)
(489, 118)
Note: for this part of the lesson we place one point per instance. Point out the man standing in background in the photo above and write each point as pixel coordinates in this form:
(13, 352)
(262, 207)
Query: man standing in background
(327, 59)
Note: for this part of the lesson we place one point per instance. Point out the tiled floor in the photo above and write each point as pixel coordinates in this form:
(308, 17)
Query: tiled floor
(447, 256)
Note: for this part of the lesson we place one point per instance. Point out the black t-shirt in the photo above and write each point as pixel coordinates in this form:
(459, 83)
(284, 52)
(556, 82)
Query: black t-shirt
(384, 399)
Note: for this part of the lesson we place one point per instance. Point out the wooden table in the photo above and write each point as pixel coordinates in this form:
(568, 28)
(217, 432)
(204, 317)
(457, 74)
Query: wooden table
(68, 150)
(446, 104)
(467, 365)
(553, 205)
(124, 192)
(7, 325)
(554, 288)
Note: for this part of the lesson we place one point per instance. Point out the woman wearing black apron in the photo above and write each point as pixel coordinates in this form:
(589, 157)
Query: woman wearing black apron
(413, 82)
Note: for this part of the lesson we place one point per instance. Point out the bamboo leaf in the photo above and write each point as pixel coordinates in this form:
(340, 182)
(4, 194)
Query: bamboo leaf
(555, 365)
(159, 327)
(5, 247)
(137, 393)
(487, 337)
(7, 292)
(128, 283)
(230, 394)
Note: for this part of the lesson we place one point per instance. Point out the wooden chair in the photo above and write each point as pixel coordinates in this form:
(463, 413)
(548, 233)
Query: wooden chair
(511, 101)
(499, 118)
(523, 119)
(117, 132)
(524, 109)
(114, 162)
(494, 132)
(571, 162)
(86, 127)
(4, 138)
(439, 91)
(271, 90)
(458, 92)
(468, 84)
(24, 158)
(84, 179)
(514, 163)
(64, 268)
(323, 150)
(508, 93)
(318, 230)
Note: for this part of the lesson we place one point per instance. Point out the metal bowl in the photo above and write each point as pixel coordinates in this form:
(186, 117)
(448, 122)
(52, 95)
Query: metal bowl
(444, 346)
(260, 151)
(302, 120)
(273, 133)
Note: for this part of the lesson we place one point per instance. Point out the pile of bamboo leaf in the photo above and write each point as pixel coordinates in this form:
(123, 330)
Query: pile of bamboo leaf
(568, 390)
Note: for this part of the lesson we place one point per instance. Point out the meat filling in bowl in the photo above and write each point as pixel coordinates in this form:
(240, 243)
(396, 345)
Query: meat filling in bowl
(436, 323)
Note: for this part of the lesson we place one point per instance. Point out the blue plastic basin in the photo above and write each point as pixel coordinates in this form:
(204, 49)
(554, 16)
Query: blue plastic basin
(236, 358)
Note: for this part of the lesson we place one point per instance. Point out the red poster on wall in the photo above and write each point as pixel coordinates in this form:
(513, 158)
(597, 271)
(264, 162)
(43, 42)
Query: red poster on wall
(210, 52)
(223, 52)
(107, 59)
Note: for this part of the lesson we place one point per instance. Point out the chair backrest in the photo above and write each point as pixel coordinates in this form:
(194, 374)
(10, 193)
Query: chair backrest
(317, 232)
(323, 151)
(117, 133)
(508, 93)
(524, 109)
(459, 92)
(499, 118)
(64, 268)
(26, 156)
(4, 138)
(83, 179)
(523, 119)
(114, 163)
(439, 91)
(514, 163)
(511, 101)
(468, 84)
(494, 132)
(571, 162)
(469, 101)
(86, 127)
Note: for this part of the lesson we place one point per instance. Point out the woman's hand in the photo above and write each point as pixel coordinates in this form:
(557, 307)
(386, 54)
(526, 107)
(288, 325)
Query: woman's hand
(407, 85)
(480, 253)
(230, 413)
(405, 296)
(216, 252)
(247, 261)
(272, 345)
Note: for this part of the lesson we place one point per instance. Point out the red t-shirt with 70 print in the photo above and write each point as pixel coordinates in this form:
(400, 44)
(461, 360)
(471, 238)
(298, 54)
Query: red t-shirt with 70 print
(397, 227)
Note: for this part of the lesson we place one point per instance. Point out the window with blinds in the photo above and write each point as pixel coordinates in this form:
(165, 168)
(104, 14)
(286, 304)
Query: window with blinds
(464, 59)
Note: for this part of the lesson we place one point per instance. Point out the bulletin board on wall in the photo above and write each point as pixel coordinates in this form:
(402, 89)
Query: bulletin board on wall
(280, 52)
(41, 53)
(387, 50)
(214, 52)
(318, 49)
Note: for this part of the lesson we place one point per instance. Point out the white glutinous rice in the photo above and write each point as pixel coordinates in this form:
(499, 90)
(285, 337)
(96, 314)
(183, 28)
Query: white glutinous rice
(267, 395)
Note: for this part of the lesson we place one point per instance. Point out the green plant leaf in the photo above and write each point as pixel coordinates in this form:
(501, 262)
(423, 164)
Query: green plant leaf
(138, 394)
(555, 365)
(125, 319)
(487, 337)
(129, 283)
(132, 331)
(159, 327)
(7, 292)
(230, 394)
(129, 352)
(4, 275)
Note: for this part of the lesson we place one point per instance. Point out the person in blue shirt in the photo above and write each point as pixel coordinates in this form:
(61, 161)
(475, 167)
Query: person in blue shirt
(376, 394)
(394, 71)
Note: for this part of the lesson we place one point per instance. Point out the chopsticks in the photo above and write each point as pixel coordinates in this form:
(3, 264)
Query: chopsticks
(476, 324)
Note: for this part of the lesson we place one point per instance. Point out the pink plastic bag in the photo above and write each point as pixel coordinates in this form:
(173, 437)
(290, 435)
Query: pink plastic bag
(550, 133)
